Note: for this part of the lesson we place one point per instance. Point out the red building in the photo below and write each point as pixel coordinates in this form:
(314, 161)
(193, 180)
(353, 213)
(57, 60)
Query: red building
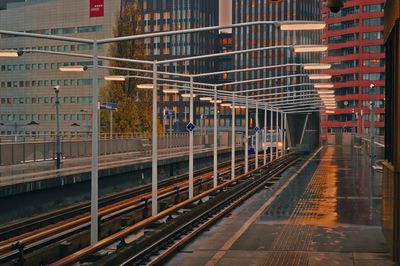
(356, 52)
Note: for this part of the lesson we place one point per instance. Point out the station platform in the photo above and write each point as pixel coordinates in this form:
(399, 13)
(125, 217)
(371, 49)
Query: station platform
(324, 212)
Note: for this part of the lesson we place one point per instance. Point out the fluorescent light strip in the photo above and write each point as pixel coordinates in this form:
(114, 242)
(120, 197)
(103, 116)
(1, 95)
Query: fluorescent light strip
(114, 78)
(205, 99)
(320, 76)
(317, 66)
(187, 95)
(310, 48)
(296, 26)
(170, 91)
(323, 86)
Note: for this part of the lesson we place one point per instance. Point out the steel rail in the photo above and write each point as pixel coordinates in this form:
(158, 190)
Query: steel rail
(103, 243)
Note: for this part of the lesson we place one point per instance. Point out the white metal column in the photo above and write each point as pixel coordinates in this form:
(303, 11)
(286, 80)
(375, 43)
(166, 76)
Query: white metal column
(111, 131)
(233, 138)
(271, 136)
(265, 135)
(215, 180)
(257, 144)
(95, 147)
(246, 143)
(277, 134)
(154, 189)
(191, 140)
(284, 132)
(281, 135)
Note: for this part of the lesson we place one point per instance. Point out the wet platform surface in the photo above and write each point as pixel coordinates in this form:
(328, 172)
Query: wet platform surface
(329, 214)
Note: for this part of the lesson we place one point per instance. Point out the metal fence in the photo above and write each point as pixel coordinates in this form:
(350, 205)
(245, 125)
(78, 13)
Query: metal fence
(24, 149)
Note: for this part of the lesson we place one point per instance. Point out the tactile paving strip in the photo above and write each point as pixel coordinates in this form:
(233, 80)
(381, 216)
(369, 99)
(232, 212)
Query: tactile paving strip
(294, 241)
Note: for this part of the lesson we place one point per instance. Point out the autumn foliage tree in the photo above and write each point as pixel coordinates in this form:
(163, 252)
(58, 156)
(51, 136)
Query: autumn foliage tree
(134, 106)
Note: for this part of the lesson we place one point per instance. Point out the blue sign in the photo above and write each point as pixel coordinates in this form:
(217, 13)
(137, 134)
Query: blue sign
(170, 113)
(190, 127)
(256, 129)
(252, 151)
(108, 106)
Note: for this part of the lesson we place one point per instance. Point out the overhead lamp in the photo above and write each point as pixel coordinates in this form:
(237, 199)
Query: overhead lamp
(309, 48)
(145, 86)
(323, 85)
(187, 95)
(317, 66)
(10, 53)
(302, 25)
(326, 92)
(320, 76)
(242, 107)
(115, 78)
(236, 107)
(73, 68)
(330, 112)
(226, 104)
(205, 99)
(217, 101)
(170, 91)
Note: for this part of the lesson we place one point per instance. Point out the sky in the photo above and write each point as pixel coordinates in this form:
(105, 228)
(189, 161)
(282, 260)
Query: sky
(225, 12)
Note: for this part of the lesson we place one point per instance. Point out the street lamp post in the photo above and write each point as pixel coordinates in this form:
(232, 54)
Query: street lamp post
(372, 127)
(58, 141)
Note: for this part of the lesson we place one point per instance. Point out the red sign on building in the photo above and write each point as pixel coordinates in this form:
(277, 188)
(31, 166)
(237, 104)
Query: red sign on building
(96, 8)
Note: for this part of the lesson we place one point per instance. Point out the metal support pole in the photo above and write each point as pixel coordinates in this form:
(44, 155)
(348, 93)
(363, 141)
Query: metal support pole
(277, 134)
(95, 145)
(191, 140)
(111, 131)
(233, 138)
(281, 133)
(246, 143)
(215, 180)
(58, 140)
(257, 140)
(271, 135)
(265, 135)
(284, 132)
(372, 128)
(154, 165)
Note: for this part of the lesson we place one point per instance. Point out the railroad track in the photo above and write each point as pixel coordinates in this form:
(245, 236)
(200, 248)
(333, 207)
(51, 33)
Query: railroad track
(59, 225)
(30, 224)
(178, 225)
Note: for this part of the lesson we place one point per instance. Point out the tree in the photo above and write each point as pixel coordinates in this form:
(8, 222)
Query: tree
(134, 106)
